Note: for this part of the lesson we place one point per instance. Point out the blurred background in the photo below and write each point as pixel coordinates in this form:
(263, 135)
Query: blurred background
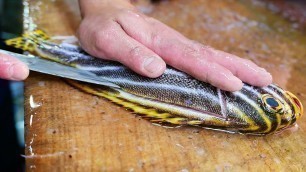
(11, 94)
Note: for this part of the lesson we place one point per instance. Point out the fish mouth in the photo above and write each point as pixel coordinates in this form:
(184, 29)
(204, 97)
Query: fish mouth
(297, 105)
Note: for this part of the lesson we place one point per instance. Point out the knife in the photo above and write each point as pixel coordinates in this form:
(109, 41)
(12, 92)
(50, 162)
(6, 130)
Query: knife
(52, 68)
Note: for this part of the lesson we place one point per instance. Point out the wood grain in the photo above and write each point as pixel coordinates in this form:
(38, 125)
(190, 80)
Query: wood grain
(68, 130)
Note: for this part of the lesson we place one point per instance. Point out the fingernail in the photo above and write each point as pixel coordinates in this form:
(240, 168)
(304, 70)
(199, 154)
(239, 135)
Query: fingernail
(263, 69)
(237, 84)
(18, 71)
(153, 64)
(266, 75)
(267, 79)
(229, 83)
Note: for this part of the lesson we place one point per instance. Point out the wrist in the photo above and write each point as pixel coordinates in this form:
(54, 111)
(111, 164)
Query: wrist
(92, 7)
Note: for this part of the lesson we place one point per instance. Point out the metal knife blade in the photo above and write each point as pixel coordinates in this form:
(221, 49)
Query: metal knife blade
(52, 68)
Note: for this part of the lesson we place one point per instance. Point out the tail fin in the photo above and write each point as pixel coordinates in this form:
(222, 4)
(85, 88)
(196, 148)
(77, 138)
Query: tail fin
(28, 41)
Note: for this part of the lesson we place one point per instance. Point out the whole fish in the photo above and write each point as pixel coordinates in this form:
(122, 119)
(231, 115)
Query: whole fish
(175, 98)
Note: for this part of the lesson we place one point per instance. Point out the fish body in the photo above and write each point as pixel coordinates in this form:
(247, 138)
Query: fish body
(176, 98)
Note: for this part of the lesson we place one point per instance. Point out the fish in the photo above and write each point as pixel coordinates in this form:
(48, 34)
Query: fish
(175, 98)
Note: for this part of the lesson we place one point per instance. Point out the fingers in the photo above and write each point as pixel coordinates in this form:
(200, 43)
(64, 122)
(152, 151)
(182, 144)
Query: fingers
(244, 69)
(185, 55)
(114, 44)
(212, 73)
(145, 45)
(12, 69)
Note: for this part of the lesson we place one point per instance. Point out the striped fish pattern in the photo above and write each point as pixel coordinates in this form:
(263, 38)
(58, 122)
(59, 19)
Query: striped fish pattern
(175, 98)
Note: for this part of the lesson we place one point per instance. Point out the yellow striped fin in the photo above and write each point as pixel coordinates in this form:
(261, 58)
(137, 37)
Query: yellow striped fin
(28, 41)
(37, 35)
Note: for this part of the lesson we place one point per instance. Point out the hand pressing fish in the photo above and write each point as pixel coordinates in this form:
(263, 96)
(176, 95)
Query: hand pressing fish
(175, 98)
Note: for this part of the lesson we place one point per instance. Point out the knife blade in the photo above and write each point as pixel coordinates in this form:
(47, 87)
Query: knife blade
(52, 68)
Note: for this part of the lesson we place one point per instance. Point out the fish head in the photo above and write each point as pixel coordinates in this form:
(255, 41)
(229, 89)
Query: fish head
(263, 110)
(283, 105)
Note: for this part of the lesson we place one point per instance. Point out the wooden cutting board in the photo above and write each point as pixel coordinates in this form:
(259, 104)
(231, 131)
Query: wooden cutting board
(69, 130)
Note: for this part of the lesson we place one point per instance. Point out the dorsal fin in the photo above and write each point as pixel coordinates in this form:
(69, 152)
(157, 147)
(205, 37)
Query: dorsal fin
(28, 41)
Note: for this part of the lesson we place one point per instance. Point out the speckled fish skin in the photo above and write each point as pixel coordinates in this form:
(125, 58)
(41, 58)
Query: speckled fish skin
(242, 111)
(180, 99)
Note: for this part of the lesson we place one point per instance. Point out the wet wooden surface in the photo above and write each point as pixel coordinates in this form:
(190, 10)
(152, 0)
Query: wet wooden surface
(68, 130)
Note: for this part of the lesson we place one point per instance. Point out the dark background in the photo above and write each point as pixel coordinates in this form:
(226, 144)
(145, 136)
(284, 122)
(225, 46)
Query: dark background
(10, 149)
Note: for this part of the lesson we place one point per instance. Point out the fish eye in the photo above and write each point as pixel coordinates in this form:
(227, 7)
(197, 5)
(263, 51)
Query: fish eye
(271, 104)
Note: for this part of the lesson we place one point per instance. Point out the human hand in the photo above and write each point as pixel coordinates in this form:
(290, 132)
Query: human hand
(12, 69)
(117, 31)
